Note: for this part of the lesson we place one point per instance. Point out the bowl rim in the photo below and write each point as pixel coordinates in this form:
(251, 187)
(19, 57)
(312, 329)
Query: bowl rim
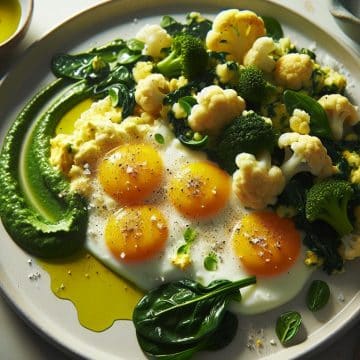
(24, 23)
(339, 11)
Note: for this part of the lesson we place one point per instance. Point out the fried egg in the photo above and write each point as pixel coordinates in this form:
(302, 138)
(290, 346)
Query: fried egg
(146, 194)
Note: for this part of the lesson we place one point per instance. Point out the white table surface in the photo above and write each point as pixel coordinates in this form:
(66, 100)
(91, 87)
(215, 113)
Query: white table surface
(17, 340)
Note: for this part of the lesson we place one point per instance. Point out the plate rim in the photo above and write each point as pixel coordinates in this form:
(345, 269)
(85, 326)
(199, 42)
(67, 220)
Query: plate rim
(58, 28)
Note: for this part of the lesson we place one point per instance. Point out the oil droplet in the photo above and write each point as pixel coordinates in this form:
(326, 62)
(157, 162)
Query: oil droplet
(10, 14)
(66, 124)
(99, 296)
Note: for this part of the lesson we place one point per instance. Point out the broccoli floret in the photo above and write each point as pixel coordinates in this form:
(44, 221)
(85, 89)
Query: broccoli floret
(328, 201)
(248, 133)
(252, 85)
(187, 57)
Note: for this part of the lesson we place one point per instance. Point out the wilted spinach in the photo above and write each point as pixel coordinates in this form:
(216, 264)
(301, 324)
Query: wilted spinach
(182, 317)
(273, 27)
(195, 25)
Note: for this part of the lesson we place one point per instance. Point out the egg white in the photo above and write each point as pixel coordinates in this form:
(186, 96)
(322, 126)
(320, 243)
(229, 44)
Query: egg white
(213, 236)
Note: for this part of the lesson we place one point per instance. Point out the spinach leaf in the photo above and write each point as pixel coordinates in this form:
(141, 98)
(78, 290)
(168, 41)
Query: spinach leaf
(184, 313)
(287, 326)
(325, 242)
(195, 25)
(78, 67)
(171, 25)
(319, 124)
(220, 338)
(192, 143)
(123, 97)
(318, 295)
(273, 27)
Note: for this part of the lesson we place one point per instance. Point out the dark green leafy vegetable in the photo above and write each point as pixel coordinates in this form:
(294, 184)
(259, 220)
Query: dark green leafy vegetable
(287, 326)
(183, 314)
(187, 102)
(319, 124)
(96, 64)
(193, 143)
(84, 66)
(325, 242)
(195, 25)
(122, 97)
(273, 27)
(318, 295)
(220, 338)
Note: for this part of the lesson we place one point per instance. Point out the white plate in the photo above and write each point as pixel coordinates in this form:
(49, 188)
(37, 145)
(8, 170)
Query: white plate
(56, 318)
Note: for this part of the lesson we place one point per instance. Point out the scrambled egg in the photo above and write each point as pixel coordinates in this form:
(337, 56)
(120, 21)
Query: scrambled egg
(96, 131)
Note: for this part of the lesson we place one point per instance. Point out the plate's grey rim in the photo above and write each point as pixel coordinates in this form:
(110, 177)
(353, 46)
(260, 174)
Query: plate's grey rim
(313, 349)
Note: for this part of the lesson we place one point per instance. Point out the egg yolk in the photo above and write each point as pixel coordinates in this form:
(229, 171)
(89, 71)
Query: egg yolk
(131, 173)
(200, 190)
(266, 244)
(136, 233)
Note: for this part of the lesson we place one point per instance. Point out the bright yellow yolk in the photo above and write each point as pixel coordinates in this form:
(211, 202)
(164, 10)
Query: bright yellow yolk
(200, 190)
(131, 173)
(266, 244)
(136, 233)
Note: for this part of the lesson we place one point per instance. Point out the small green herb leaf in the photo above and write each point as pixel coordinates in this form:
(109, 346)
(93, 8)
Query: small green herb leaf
(159, 138)
(287, 326)
(318, 295)
(319, 124)
(211, 262)
(190, 235)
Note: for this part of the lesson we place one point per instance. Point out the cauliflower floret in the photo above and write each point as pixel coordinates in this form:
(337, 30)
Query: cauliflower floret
(228, 73)
(215, 109)
(305, 153)
(150, 93)
(177, 83)
(283, 47)
(340, 112)
(179, 111)
(256, 183)
(353, 160)
(234, 32)
(155, 38)
(300, 122)
(142, 69)
(350, 248)
(293, 71)
(259, 54)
